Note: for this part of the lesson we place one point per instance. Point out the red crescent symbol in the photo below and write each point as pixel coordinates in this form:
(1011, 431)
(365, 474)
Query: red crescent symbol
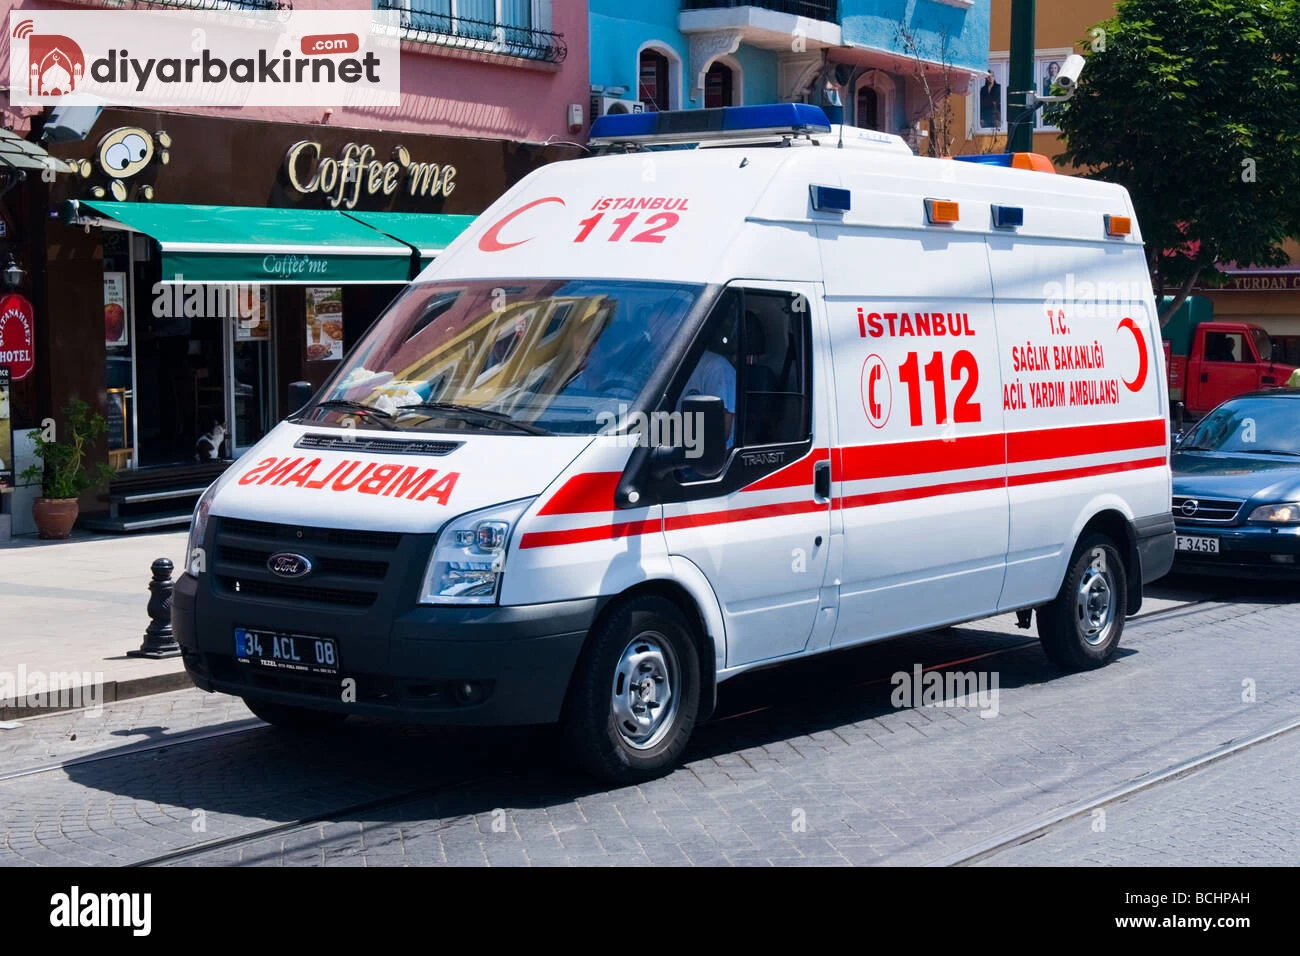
(1144, 364)
(490, 241)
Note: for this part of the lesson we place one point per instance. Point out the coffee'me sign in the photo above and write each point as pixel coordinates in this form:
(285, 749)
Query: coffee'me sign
(357, 172)
(17, 336)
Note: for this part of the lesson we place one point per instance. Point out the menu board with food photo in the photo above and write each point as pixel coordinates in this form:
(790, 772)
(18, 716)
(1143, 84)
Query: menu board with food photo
(324, 323)
(115, 325)
(254, 323)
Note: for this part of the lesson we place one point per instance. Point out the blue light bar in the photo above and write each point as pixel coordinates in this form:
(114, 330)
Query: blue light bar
(728, 122)
(1008, 217)
(989, 159)
(829, 198)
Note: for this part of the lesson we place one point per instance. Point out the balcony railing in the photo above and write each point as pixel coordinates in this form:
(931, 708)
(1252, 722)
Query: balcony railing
(827, 10)
(463, 33)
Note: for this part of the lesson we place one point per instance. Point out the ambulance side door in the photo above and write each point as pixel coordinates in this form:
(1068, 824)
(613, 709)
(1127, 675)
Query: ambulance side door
(920, 467)
(760, 531)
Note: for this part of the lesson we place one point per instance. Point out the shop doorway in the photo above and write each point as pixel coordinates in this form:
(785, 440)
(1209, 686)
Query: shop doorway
(251, 386)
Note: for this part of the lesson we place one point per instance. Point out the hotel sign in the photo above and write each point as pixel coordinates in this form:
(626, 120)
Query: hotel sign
(1262, 283)
(358, 171)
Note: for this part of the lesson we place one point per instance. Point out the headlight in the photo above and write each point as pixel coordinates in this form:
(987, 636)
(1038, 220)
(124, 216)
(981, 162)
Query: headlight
(470, 556)
(1277, 514)
(196, 561)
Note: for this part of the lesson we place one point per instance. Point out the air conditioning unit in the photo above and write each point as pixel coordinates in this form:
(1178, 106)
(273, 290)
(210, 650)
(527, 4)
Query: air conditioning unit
(614, 106)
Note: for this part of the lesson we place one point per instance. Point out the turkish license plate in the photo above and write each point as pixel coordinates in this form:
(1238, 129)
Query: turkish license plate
(1197, 544)
(291, 652)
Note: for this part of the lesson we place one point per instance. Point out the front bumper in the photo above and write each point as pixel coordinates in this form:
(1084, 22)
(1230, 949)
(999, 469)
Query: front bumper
(1155, 546)
(411, 668)
(1244, 551)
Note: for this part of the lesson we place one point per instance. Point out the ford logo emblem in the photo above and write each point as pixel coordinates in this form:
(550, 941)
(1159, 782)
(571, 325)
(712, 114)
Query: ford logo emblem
(286, 564)
(1190, 507)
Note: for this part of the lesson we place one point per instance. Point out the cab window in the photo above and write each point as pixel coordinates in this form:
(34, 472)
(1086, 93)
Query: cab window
(757, 359)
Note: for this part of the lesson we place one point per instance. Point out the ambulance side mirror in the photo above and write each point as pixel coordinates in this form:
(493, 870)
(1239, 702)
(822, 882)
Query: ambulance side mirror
(300, 394)
(704, 420)
(703, 448)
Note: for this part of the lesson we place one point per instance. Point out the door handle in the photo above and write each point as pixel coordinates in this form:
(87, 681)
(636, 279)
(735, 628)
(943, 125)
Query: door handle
(1205, 376)
(822, 479)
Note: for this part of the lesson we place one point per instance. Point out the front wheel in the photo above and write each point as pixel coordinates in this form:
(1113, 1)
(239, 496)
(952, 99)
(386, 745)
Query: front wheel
(1080, 629)
(635, 694)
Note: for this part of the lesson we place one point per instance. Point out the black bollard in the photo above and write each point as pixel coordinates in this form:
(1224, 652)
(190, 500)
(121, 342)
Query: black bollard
(159, 640)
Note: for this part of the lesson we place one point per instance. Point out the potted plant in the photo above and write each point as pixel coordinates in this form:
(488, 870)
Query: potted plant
(62, 471)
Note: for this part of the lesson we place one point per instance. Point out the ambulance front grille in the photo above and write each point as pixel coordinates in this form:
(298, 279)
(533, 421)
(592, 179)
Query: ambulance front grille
(349, 568)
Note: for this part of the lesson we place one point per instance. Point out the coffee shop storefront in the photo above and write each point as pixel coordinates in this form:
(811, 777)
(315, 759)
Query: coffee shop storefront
(227, 259)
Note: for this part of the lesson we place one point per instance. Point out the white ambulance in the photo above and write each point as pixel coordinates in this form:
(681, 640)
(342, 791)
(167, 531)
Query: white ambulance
(665, 415)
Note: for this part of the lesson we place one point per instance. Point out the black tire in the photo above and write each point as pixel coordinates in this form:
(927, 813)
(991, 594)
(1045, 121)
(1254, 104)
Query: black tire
(288, 717)
(1064, 627)
(602, 743)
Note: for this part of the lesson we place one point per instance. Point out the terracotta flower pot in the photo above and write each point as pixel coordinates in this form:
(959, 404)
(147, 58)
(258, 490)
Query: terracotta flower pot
(54, 517)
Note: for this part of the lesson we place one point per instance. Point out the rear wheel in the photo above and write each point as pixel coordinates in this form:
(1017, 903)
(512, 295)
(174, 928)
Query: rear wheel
(1080, 629)
(635, 694)
(289, 717)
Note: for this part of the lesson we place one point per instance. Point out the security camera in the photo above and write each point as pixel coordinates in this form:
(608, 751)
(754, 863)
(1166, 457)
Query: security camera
(1071, 70)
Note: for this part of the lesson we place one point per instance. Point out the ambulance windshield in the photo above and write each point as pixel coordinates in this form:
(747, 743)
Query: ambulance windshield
(555, 356)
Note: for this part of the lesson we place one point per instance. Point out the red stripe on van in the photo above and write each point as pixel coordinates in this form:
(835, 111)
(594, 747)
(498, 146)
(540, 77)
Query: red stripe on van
(583, 494)
(1043, 443)
(792, 475)
(710, 518)
(1091, 471)
(921, 457)
(605, 532)
(912, 494)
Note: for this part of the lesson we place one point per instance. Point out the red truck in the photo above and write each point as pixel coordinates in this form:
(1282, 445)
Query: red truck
(1210, 361)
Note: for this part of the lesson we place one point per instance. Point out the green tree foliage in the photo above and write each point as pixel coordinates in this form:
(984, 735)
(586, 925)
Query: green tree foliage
(1194, 107)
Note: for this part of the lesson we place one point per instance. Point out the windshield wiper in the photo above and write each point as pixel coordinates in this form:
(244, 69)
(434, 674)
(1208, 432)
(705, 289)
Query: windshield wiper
(1275, 451)
(484, 413)
(380, 416)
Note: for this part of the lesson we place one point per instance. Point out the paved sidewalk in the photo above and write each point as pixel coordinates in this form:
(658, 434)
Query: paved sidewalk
(78, 606)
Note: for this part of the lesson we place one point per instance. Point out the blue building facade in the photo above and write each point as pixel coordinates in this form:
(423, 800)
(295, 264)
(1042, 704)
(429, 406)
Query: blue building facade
(882, 64)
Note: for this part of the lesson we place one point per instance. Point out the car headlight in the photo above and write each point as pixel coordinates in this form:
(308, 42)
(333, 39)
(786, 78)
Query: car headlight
(195, 559)
(470, 556)
(1277, 514)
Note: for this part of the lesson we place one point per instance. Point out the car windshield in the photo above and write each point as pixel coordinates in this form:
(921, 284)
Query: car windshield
(1263, 344)
(557, 356)
(1250, 425)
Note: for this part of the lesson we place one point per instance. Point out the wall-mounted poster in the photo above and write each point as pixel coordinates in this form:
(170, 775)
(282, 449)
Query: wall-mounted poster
(324, 323)
(6, 432)
(1047, 69)
(990, 100)
(254, 323)
(116, 331)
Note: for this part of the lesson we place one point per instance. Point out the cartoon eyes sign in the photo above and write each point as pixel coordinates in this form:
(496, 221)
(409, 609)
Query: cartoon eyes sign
(123, 154)
(127, 155)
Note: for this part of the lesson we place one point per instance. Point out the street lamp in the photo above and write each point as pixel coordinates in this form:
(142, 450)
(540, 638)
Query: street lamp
(13, 273)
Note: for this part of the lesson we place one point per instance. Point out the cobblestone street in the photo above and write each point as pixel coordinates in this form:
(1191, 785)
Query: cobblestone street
(811, 764)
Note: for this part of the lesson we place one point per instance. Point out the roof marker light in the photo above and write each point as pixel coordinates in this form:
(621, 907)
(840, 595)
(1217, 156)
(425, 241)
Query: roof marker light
(829, 198)
(941, 211)
(1119, 226)
(693, 126)
(1008, 217)
(1032, 161)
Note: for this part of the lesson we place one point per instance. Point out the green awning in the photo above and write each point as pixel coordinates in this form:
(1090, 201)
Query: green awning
(253, 244)
(428, 233)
